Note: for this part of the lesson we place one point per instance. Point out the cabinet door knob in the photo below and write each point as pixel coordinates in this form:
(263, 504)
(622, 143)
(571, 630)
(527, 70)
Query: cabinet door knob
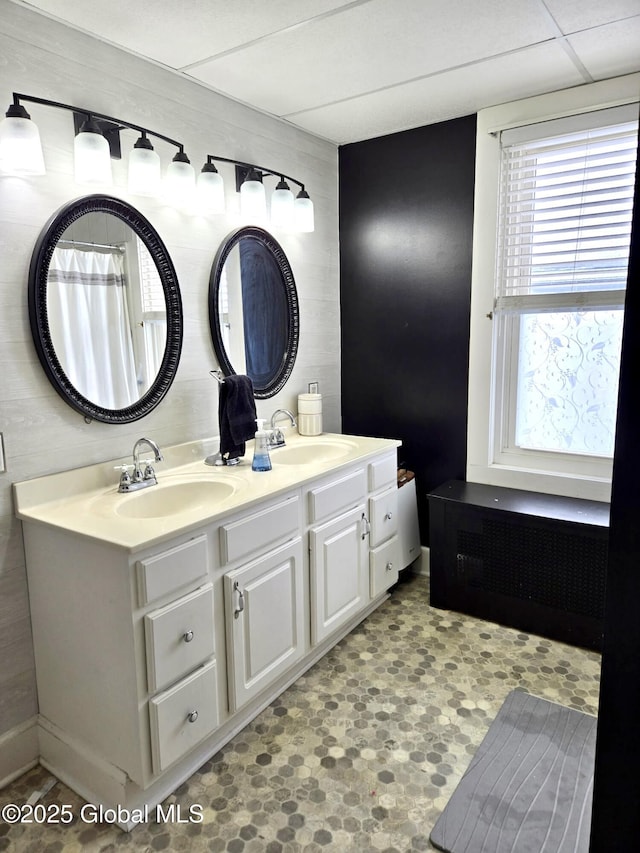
(188, 636)
(192, 716)
(389, 516)
(389, 566)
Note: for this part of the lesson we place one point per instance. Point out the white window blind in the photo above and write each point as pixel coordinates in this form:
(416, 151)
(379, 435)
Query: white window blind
(565, 212)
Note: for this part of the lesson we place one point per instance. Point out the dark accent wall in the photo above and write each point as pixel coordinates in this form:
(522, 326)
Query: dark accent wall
(406, 219)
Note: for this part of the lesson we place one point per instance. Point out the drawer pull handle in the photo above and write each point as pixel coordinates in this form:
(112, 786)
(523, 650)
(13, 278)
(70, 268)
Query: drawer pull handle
(192, 716)
(240, 607)
(389, 566)
(388, 516)
(188, 636)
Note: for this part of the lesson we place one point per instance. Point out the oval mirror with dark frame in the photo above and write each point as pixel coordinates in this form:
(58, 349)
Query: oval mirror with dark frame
(105, 309)
(253, 310)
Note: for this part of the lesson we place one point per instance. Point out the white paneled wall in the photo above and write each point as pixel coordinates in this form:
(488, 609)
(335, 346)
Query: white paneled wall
(41, 433)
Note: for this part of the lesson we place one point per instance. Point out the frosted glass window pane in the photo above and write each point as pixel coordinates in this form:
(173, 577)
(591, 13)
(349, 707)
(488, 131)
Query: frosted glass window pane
(567, 384)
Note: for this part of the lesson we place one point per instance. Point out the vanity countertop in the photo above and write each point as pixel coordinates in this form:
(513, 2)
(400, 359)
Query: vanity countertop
(85, 501)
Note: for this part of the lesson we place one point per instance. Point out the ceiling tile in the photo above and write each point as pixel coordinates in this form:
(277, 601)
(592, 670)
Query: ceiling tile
(574, 15)
(456, 93)
(369, 47)
(180, 33)
(610, 50)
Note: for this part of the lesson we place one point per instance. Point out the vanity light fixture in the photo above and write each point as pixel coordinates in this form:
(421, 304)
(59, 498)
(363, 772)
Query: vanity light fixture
(295, 214)
(97, 141)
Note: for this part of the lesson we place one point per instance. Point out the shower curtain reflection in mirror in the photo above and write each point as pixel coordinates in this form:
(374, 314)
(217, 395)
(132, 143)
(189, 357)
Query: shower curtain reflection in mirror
(90, 325)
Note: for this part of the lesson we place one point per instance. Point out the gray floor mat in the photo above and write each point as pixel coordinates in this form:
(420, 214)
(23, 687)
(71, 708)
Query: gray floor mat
(529, 786)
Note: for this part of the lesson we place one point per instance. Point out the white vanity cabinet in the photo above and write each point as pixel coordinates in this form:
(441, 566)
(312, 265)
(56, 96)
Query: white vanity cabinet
(155, 644)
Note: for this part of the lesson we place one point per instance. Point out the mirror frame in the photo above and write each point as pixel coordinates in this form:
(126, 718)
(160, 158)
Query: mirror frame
(288, 282)
(38, 315)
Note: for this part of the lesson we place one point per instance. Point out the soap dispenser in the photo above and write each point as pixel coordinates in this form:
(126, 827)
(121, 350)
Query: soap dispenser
(261, 460)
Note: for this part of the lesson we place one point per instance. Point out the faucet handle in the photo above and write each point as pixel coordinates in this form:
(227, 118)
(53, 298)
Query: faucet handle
(149, 473)
(125, 476)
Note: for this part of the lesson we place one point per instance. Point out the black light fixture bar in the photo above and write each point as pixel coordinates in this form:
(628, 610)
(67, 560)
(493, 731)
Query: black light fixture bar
(80, 113)
(242, 169)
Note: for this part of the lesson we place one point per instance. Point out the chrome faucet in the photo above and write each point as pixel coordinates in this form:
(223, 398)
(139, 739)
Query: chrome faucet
(276, 436)
(140, 479)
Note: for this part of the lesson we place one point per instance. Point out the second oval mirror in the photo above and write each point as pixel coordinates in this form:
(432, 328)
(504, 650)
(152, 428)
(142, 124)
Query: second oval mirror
(253, 310)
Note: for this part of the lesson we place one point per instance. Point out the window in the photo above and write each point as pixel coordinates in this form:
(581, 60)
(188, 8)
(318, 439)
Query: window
(554, 195)
(566, 200)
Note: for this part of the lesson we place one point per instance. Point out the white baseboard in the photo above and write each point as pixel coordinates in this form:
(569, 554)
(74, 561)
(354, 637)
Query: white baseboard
(19, 751)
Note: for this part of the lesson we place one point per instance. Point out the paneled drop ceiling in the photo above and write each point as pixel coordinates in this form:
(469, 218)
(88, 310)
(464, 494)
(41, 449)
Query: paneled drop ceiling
(349, 70)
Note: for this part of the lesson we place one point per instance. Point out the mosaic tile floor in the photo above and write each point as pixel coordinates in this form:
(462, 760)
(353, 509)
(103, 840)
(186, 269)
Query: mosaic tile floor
(361, 754)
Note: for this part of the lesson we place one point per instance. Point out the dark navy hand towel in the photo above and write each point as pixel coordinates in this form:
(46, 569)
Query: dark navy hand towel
(236, 415)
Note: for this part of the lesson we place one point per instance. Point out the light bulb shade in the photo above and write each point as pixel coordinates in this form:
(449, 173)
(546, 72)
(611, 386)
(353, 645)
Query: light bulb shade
(20, 148)
(282, 207)
(91, 155)
(253, 199)
(180, 183)
(210, 189)
(144, 175)
(304, 219)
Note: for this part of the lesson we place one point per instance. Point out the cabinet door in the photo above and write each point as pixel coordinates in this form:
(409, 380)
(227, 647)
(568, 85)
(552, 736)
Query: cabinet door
(338, 561)
(265, 618)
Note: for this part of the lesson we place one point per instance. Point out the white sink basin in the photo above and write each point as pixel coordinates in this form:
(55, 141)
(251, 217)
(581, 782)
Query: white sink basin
(311, 450)
(166, 499)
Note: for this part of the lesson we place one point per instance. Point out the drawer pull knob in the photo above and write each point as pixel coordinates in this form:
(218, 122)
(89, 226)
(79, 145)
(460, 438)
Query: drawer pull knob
(389, 566)
(192, 716)
(389, 516)
(188, 636)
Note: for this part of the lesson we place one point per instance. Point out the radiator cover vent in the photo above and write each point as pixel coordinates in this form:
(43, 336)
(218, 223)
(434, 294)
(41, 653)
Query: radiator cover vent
(534, 564)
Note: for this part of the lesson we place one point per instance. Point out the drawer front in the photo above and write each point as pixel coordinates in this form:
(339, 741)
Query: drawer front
(260, 531)
(179, 637)
(182, 716)
(167, 572)
(383, 472)
(384, 563)
(336, 496)
(383, 515)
